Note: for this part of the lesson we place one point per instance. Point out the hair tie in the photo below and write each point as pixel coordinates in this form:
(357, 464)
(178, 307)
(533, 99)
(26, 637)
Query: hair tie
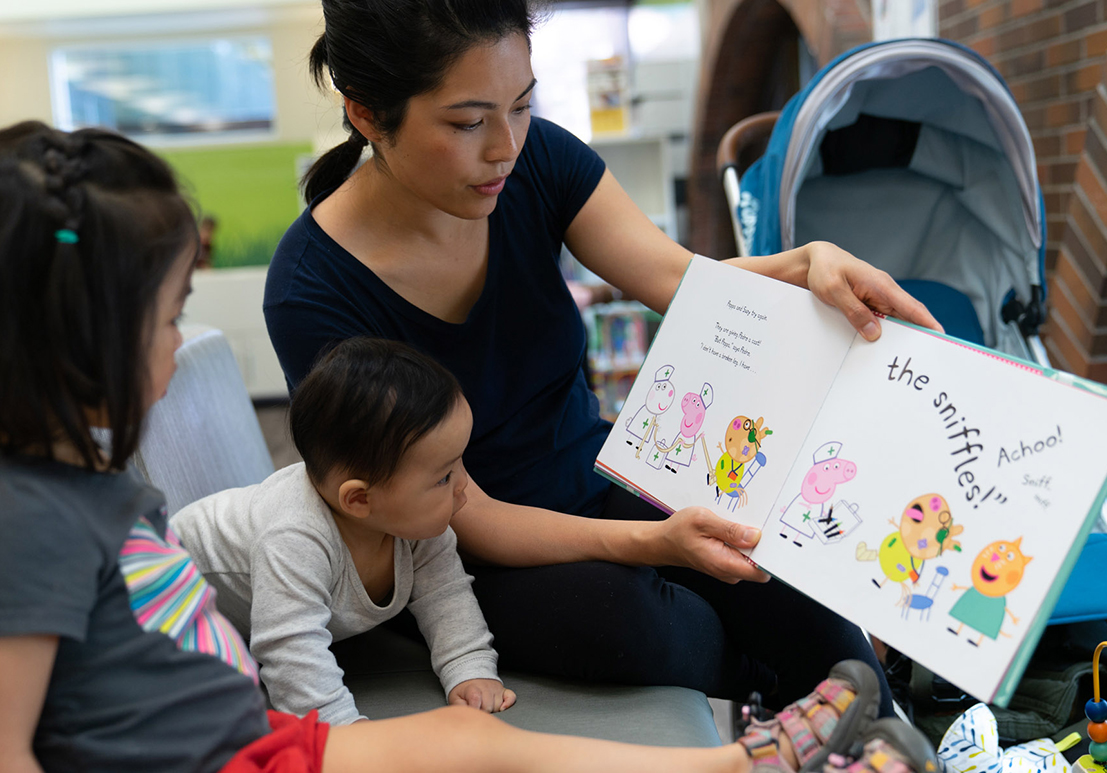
(66, 236)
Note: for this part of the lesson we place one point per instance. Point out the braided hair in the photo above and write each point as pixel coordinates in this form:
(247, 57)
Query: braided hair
(90, 225)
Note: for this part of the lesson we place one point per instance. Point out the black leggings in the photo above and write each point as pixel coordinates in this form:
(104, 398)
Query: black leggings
(598, 621)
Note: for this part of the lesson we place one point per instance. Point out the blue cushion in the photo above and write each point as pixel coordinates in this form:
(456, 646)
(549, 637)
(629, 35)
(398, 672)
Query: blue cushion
(950, 307)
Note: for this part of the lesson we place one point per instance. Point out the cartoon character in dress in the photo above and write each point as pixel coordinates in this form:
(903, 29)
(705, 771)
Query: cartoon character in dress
(682, 451)
(925, 530)
(741, 459)
(642, 426)
(997, 570)
(808, 514)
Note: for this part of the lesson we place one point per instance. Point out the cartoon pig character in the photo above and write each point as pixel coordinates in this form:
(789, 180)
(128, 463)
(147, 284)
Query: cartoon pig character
(805, 516)
(642, 426)
(682, 450)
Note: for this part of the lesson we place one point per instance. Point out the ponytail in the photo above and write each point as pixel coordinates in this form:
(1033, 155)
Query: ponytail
(332, 168)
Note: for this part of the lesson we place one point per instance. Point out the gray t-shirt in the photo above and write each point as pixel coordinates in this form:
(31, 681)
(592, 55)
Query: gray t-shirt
(288, 582)
(121, 696)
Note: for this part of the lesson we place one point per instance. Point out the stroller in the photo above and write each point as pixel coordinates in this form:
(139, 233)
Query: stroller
(912, 155)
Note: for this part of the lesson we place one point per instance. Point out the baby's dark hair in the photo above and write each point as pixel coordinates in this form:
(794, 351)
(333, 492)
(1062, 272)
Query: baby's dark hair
(381, 53)
(364, 404)
(90, 225)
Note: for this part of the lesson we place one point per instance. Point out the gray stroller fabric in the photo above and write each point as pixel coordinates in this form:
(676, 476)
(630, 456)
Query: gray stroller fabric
(954, 214)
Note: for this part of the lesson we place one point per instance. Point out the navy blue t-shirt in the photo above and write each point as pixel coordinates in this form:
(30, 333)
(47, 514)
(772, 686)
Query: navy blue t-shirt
(520, 353)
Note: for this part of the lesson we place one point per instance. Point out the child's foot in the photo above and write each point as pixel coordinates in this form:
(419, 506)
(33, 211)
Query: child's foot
(890, 745)
(828, 721)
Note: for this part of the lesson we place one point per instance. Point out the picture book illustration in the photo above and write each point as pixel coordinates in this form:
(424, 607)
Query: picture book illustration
(924, 531)
(910, 484)
(740, 460)
(810, 514)
(997, 570)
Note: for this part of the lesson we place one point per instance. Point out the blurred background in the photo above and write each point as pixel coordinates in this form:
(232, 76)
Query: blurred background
(220, 88)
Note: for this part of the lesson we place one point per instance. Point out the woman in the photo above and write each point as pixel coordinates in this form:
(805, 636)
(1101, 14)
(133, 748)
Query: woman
(447, 239)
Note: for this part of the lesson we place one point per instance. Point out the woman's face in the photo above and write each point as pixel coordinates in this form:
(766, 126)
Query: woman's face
(458, 143)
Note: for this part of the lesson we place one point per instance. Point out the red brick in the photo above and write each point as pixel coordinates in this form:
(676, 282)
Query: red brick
(994, 16)
(985, 46)
(1055, 356)
(1063, 305)
(1029, 32)
(1047, 146)
(961, 29)
(950, 8)
(1088, 243)
(1050, 258)
(1099, 106)
(1024, 7)
(1028, 63)
(1059, 54)
(1075, 357)
(1095, 43)
(1034, 117)
(1084, 79)
(1063, 113)
(1074, 142)
(1081, 291)
(1036, 89)
(1081, 17)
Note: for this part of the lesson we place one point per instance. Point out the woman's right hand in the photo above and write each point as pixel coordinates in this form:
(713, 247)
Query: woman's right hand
(698, 539)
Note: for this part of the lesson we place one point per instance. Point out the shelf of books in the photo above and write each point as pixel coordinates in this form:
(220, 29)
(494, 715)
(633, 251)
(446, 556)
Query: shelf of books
(619, 334)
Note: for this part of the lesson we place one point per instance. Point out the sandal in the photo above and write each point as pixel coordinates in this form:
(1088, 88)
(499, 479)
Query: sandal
(839, 710)
(890, 746)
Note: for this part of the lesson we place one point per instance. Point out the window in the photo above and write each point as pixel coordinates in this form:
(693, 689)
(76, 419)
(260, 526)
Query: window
(178, 92)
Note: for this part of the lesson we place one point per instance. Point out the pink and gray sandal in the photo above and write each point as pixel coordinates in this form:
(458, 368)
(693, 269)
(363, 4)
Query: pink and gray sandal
(889, 746)
(828, 721)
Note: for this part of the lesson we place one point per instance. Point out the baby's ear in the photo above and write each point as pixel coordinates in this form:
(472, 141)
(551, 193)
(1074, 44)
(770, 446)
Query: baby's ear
(353, 498)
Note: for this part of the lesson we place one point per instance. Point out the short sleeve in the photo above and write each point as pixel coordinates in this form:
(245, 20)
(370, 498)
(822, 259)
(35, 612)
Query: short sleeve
(50, 565)
(564, 169)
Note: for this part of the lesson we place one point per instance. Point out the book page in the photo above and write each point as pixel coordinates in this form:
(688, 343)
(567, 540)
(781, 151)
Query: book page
(727, 393)
(940, 491)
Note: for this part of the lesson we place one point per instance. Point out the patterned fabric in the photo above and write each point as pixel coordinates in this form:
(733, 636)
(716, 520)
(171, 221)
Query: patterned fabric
(168, 594)
(971, 745)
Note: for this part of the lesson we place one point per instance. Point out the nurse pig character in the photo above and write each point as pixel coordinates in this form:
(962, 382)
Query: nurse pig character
(741, 458)
(996, 571)
(805, 516)
(925, 530)
(642, 426)
(682, 450)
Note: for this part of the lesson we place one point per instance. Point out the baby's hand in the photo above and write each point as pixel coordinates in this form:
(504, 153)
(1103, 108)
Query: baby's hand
(485, 694)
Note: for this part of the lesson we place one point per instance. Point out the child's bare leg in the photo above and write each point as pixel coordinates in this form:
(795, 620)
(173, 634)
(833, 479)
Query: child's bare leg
(458, 739)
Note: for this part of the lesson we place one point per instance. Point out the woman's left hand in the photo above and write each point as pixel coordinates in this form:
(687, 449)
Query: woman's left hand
(857, 289)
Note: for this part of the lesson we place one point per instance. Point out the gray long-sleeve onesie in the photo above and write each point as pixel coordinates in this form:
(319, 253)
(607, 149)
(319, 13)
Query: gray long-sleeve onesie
(287, 581)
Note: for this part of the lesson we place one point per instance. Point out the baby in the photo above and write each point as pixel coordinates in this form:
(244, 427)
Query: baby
(329, 548)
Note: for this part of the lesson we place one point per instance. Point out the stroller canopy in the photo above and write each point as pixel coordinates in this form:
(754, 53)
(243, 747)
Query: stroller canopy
(912, 155)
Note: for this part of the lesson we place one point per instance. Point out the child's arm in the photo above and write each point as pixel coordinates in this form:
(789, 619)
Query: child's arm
(25, 666)
(450, 619)
(289, 613)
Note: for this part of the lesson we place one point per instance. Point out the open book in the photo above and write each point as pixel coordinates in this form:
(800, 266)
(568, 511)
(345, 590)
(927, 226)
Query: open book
(934, 493)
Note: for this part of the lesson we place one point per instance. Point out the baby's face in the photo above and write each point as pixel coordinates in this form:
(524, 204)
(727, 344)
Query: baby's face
(428, 488)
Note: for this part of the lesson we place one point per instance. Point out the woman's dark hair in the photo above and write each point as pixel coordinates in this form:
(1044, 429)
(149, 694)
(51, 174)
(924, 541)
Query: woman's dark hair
(90, 224)
(381, 53)
(364, 404)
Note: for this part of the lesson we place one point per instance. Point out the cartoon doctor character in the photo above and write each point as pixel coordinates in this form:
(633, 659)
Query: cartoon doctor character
(642, 426)
(805, 516)
(682, 451)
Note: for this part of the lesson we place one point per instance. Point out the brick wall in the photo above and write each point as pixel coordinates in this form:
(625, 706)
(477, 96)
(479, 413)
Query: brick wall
(1051, 53)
